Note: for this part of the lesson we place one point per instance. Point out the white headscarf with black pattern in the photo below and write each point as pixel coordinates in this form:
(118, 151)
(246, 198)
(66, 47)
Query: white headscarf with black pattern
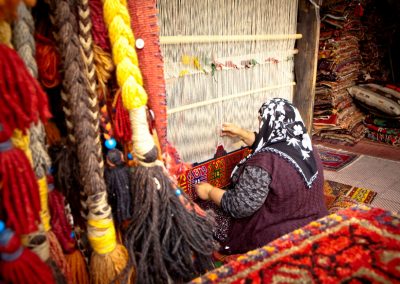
(282, 131)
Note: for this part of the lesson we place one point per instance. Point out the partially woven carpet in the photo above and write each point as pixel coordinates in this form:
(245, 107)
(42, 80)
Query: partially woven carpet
(356, 245)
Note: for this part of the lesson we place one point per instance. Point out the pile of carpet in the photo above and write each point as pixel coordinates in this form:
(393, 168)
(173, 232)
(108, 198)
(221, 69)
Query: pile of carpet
(336, 118)
(383, 105)
(356, 245)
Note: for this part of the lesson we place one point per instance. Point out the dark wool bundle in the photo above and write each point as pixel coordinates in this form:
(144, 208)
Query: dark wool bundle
(18, 264)
(166, 241)
(117, 180)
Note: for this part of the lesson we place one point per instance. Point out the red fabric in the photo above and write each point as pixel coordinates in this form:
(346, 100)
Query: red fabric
(145, 26)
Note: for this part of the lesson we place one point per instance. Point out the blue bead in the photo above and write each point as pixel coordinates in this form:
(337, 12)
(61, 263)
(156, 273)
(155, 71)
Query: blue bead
(110, 143)
(72, 234)
(178, 192)
(2, 226)
(130, 157)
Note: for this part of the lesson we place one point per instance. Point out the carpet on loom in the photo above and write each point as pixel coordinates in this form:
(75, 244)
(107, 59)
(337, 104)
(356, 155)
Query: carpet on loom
(357, 245)
(216, 171)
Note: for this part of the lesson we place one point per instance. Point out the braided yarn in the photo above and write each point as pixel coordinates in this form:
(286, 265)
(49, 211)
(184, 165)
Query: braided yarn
(84, 111)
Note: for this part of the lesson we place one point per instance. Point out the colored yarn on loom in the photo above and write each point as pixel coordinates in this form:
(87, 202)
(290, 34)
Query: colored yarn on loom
(18, 264)
(178, 242)
(109, 258)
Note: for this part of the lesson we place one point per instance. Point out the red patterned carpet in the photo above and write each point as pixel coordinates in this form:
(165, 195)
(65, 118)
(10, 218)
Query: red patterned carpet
(356, 245)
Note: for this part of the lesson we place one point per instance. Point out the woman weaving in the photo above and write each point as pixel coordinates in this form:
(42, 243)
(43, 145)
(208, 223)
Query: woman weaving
(277, 188)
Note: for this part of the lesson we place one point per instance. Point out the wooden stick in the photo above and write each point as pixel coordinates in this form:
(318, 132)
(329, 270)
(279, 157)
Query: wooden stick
(216, 100)
(224, 38)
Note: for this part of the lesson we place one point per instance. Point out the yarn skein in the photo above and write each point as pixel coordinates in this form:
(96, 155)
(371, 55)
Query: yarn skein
(178, 243)
(109, 258)
(18, 264)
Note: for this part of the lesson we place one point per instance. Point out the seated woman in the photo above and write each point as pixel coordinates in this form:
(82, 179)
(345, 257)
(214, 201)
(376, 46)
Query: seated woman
(277, 188)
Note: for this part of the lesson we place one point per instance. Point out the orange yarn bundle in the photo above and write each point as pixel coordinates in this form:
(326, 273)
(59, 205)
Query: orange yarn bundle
(48, 61)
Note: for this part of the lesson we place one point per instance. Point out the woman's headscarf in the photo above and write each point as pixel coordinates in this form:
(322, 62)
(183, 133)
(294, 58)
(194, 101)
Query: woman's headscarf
(282, 131)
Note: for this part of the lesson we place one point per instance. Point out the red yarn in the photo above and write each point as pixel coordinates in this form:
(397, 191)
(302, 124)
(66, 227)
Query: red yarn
(22, 100)
(99, 30)
(27, 268)
(48, 61)
(20, 191)
(122, 124)
(105, 120)
(59, 222)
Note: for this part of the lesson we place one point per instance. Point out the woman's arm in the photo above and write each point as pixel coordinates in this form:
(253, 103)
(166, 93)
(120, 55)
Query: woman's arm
(245, 198)
(249, 193)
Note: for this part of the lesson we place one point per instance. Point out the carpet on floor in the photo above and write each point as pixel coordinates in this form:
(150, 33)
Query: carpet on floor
(334, 160)
(357, 245)
(340, 196)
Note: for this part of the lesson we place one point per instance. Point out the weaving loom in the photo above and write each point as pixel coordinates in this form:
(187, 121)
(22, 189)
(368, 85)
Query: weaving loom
(222, 60)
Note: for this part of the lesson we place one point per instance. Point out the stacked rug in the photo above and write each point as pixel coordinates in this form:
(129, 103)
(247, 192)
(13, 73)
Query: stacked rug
(356, 245)
(336, 118)
(383, 104)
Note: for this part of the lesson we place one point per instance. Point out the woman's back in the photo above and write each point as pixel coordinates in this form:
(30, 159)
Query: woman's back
(289, 205)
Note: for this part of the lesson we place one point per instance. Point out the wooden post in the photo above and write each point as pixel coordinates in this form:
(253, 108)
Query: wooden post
(305, 63)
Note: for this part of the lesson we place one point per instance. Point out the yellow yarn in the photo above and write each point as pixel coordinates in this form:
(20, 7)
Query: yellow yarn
(44, 204)
(101, 235)
(5, 33)
(129, 78)
(22, 142)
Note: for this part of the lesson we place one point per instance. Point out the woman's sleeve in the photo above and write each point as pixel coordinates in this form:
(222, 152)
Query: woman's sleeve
(249, 193)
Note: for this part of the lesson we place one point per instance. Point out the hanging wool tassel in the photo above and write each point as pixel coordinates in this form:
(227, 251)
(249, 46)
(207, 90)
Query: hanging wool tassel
(19, 265)
(64, 233)
(118, 184)
(20, 194)
(21, 103)
(24, 43)
(166, 241)
(109, 258)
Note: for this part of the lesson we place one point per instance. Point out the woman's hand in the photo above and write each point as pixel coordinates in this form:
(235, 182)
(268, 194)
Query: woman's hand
(203, 190)
(232, 130)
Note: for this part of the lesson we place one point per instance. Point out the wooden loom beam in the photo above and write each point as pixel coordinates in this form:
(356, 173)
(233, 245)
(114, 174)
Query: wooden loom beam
(305, 63)
(224, 38)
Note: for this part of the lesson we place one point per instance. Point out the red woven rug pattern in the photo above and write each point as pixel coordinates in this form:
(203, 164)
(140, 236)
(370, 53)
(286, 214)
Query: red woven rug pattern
(333, 160)
(144, 24)
(215, 171)
(356, 245)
